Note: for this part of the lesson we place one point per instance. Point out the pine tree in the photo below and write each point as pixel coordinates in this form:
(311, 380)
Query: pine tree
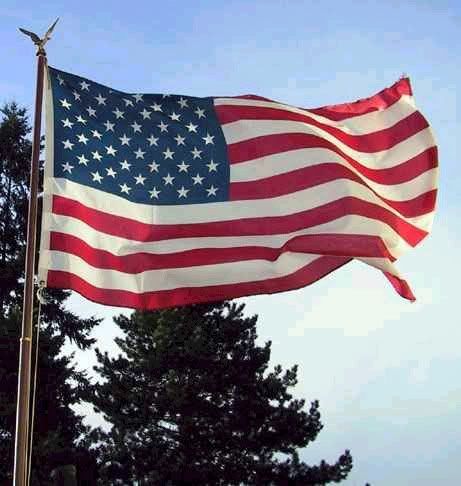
(60, 435)
(192, 401)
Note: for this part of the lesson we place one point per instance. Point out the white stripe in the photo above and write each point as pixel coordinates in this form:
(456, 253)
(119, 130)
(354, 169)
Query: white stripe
(220, 211)
(351, 224)
(298, 159)
(169, 279)
(362, 124)
(272, 165)
(410, 147)
(381, 264)
(424, 222)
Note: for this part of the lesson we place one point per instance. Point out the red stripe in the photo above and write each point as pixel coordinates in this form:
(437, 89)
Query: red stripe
(401, 286)
(273, 144)
(406, 171)
(370, 142)
(255, 148)
(249, 97)
(182, 296)
(384, 99)
(306, 177)
(324, 244)
(131, 229)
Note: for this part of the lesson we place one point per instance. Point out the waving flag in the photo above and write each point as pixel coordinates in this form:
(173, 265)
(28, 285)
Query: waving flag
(162, 200)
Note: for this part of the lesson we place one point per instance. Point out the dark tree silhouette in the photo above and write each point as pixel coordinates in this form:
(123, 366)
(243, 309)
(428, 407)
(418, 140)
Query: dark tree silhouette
(60, 435)
(192, 401)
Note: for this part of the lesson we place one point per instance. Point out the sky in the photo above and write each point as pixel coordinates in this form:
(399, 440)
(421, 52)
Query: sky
(386, 371)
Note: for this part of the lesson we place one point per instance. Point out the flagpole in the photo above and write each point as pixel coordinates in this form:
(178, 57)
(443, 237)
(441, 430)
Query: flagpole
(23, 400)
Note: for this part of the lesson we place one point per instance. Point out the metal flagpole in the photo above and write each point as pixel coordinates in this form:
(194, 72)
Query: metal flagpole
(23, 408)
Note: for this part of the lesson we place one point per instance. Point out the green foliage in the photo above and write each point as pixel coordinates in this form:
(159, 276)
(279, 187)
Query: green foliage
(59, 431)
(193, 401)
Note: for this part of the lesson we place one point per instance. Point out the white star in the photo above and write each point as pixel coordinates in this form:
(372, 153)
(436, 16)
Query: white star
(200, 113)
(182, 102)
(180, 140)
(145, 114)
(154, 166)
(97, 177)
(84, 86)
(96, 134)
(156, 107)
(166, 95)
(168, 154)
(137, 97)
(198, 179)
(76, 95)
(65, 104)
(174, 116)
(80, 119)
(136, 127)
(196, 153)
(61, 81)
(212, 166)
(82, 138)
(163, 126)
(183, 166)
(109, 126)
(139, 153)
(125, 140)
(152, 140)
(124, 188)
(67, 123)
(211, 191)
(208, 139)
(100, 99)
(91, 111)
(111, 150)
(118, 114)
(154, 193)
(82, 160)
(191, 127)
(168, 180)
(139, 179)
(96, 155)
(67, 167)
(111, 172)
(68, 144)
(125, 165)
(182, 192)
(128, 102)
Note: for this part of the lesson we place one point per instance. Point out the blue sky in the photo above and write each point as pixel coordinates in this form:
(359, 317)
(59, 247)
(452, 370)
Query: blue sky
(386, 371)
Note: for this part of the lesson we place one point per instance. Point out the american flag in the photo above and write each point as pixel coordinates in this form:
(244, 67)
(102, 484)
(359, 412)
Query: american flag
(157, 200)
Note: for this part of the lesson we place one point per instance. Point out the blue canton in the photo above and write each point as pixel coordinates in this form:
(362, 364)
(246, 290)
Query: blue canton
(150, 148)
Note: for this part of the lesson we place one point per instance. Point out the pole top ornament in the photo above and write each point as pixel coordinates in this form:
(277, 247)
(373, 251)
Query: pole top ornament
(40, 43)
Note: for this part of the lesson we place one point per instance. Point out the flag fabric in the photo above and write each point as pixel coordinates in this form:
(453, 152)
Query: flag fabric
(157, 200)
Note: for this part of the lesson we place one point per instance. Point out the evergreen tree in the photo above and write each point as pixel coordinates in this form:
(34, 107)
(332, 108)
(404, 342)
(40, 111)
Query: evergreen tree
(60, 435)
(192, 401)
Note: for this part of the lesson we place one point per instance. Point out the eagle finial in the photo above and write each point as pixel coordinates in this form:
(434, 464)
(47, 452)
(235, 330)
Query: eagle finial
(40, 43)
